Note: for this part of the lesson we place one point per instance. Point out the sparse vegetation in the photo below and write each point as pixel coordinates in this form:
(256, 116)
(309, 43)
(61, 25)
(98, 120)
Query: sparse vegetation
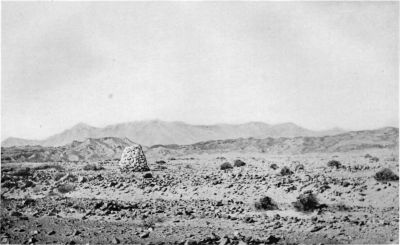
(299, 167)
(23, 172)
(386, 175)
(274, 166)
(92, 167)
(161, 162)
(147, 175)
(150, 222)
(49, 166)
(265, 203)
(306, 202)
(286, 171)
(374, 159)
(239, 163)
(65, 188)
(334, 164)
(58, 176)
(226, 166)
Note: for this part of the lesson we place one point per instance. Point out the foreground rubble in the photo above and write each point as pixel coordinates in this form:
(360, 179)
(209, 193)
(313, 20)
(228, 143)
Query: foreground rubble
(189, 200)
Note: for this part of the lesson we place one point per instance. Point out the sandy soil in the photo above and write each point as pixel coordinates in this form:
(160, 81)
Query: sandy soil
(189, 200)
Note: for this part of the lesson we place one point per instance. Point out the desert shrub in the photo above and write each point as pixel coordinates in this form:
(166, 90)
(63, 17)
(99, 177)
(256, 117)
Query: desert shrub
(265, 203)
(23, 172)
(49, 166)
(160, 167)
(386, 175)
(188, 166)
(374, 159)
(150, 222)
(92, 167)
(299, 167)
(9, 184)
(342, 207)
(334, 164)
(306, 202)
(274, 166)
(286, 171)
(160, 162)
(58, 176)
(226, 166)
(147, 175)
(239, 163)
(367, 156)
(65, 188)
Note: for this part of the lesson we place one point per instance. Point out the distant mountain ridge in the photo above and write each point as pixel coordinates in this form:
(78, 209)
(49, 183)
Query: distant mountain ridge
(111, 147)
(160, 132)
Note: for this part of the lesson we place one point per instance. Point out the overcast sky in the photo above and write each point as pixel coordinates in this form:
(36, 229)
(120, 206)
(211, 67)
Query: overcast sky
(318, 64)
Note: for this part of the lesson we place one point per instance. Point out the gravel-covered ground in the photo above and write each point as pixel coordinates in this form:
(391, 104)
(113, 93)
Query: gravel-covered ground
(191, 201)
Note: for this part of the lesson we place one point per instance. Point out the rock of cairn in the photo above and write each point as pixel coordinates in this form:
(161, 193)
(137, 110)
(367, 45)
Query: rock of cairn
(133, 160)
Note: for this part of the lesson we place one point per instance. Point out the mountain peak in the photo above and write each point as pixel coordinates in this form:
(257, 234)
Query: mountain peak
(81, 125)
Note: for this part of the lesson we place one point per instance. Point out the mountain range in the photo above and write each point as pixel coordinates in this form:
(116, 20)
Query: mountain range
(109, 148)
(155, 132)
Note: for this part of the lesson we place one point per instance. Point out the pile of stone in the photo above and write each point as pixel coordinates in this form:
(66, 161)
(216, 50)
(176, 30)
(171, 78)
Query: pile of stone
(133, 160)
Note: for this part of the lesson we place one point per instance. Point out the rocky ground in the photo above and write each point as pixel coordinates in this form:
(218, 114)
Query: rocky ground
(189, 200)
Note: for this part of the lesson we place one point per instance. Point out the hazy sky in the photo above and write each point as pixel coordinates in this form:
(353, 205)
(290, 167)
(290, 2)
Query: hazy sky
(318, 64)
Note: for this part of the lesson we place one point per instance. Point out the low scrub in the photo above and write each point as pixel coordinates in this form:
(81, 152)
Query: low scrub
(334, 164)
(239, 163)
(286, 171)
(274, 166)
(265, 203)
(150, 222)
(386, 175)
(65, 188)
(306, 202)
(49, 166)
(147, 175)
(299, 167)
(58, 176)
(92, 167)
(23, 172)
(226, 166)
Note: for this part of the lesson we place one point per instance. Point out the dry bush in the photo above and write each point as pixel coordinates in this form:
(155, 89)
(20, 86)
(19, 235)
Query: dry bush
(161, 162)
(9, 184)
(265, 203)
(367, 155)
(58, 176)
(226, 166)
(286, 171)
(23, 172)
(274, 166)
(334, 164)
(306, 202)
(147, 175)
(342, 207)
(92, 167)
(150, 222)
(374, 159)
(65, 188)
(386, 175)
(299, 167)
(49, 166)
(239, 163)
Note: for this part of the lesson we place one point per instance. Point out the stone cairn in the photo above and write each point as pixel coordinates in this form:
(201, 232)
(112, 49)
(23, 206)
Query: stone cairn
(133, 160)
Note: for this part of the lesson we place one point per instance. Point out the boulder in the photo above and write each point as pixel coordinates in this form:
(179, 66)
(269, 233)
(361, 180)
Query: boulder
(133, 160)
